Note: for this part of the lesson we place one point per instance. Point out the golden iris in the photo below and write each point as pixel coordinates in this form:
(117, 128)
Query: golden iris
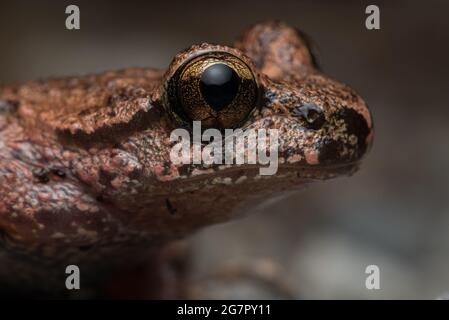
(217, 89)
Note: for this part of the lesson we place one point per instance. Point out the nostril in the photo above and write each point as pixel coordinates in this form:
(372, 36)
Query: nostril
(312, 115)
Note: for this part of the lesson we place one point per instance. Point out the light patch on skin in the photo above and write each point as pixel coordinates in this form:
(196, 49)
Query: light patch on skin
(58, 235)
(87, 205)
(87, 233)
(340, 130)
(311, 157)
(352, 139)
(220, 180)
(161, 172)
(197, 172)
(82, 206)
(240, 179)
(294, 158)
(44, 196)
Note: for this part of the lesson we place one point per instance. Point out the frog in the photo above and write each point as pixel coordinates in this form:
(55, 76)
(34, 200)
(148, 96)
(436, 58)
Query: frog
(86, 176)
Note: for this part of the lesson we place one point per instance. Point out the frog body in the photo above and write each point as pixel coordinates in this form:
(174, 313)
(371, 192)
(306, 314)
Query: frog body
(85, 171)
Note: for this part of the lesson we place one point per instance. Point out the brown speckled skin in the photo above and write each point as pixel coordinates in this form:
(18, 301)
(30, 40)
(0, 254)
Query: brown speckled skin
(85, 172)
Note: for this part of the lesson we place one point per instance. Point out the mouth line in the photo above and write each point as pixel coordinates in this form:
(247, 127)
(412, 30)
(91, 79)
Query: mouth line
(317, 172)
(323, 167)
(327, 171)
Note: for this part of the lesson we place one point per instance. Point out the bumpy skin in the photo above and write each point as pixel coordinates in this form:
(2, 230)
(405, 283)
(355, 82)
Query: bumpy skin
(85, 171)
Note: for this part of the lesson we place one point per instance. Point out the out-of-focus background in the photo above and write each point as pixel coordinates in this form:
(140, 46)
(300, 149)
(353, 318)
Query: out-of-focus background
(393, 213)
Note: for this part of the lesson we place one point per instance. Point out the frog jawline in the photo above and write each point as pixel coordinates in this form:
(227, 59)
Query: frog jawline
(316, 172)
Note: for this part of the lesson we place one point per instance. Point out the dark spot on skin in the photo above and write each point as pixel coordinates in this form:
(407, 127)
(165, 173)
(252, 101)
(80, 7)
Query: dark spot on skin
(332, 150)
(99, 198)
(8, 106)
(135, 174)
(290, 152)
(110, 100)
(85, 248)
(355, 125)
(166, 169)
(114, 98)
(268, 122)
(329, 151)
(270, 95)
(184, 170)
(41, 174)
(106, 177)
(58, 172)
(311, 114)
(170, 207)
(108, 135)
(84, 112)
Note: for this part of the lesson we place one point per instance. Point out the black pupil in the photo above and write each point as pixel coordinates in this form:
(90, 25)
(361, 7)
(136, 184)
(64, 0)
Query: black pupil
(219, 85)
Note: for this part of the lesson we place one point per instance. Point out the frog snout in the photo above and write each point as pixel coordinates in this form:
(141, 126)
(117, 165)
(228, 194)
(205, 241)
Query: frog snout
(346, 137)
(341, 136)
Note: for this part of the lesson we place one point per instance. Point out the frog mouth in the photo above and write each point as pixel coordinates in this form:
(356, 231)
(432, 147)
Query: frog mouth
(300, 171)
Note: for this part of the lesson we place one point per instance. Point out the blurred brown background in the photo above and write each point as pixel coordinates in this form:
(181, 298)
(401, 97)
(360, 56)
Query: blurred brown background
(393, 213)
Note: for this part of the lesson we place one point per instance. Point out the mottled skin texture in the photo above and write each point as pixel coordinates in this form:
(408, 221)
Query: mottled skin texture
(85, 172)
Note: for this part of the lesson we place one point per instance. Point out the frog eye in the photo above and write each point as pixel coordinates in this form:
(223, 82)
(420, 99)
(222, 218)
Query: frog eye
(218, 89)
